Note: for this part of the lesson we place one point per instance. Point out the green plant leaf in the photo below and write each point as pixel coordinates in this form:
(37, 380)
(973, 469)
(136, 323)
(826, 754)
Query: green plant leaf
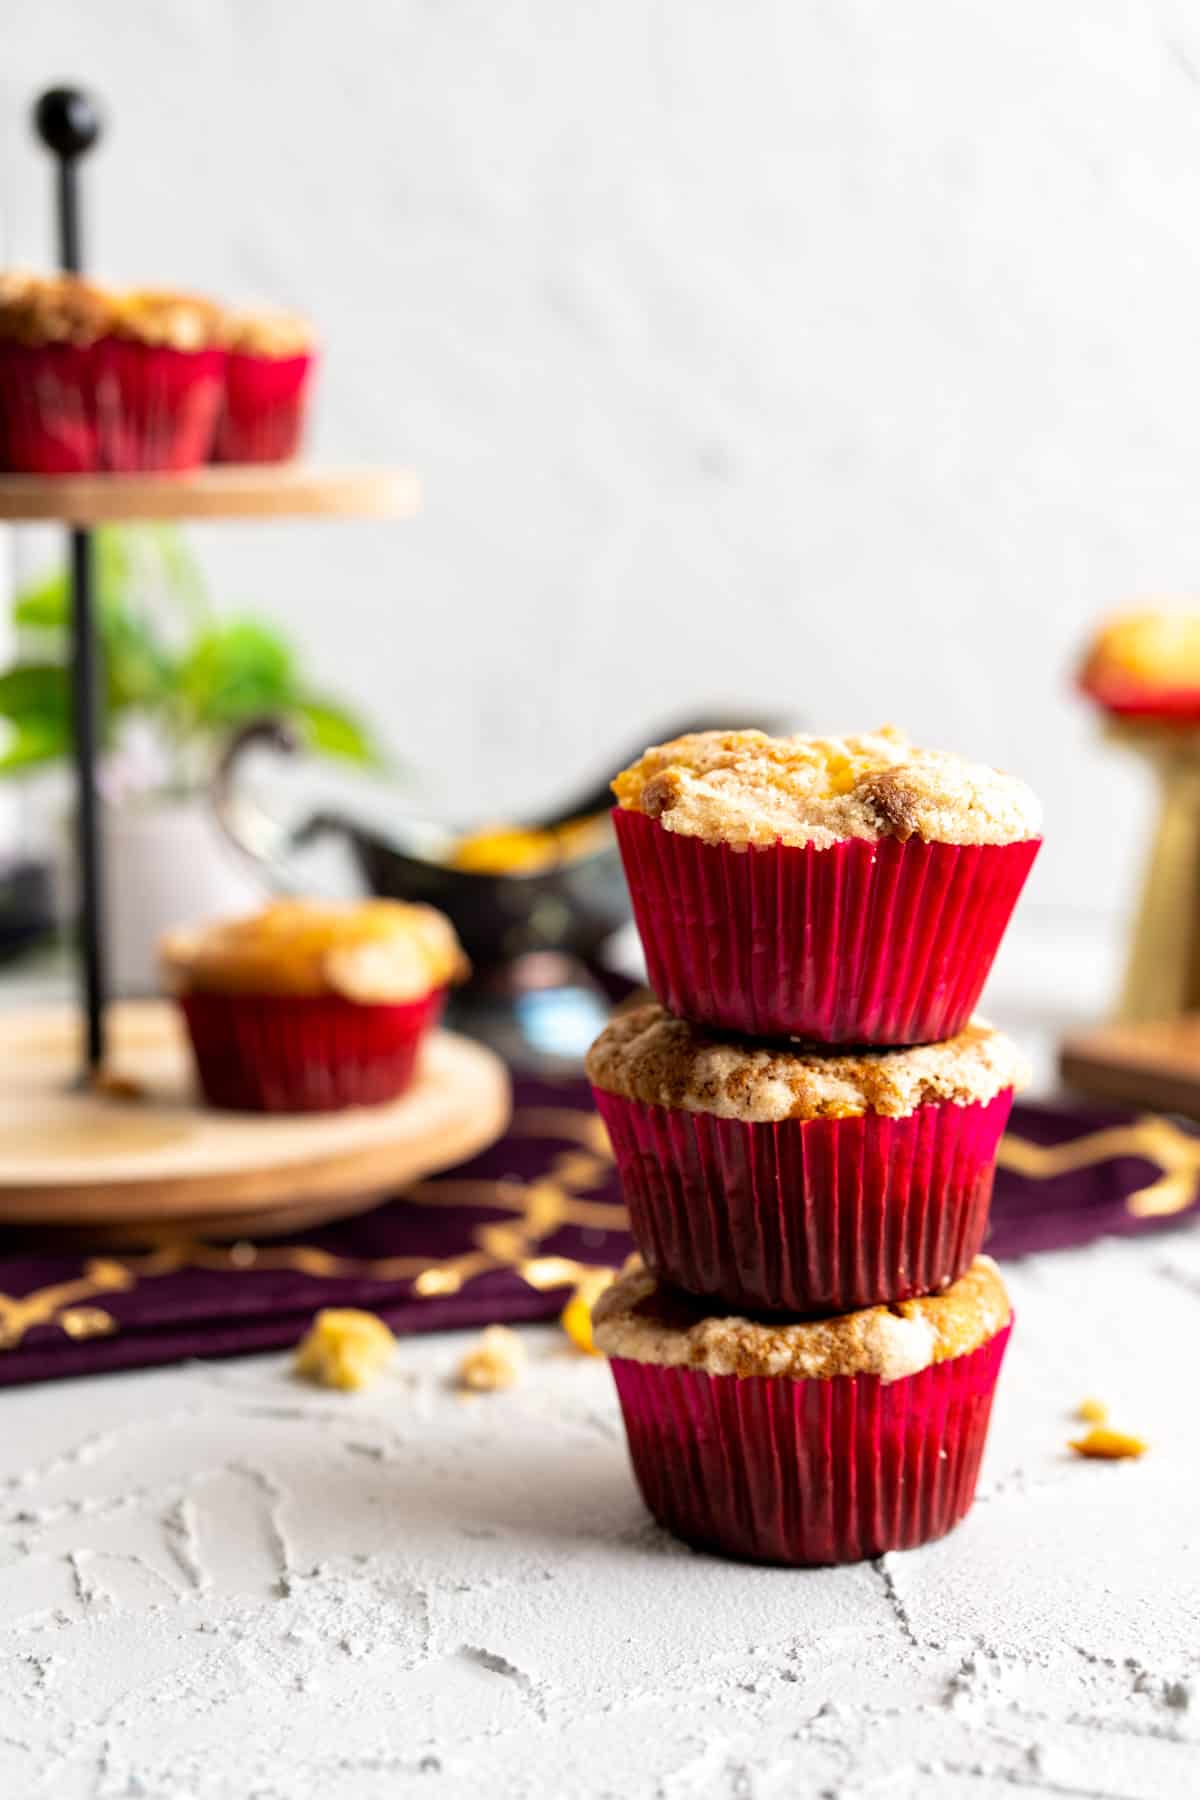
(333, 731)
(33, 692)
(166, 659)
(235, 670)
(32, 743)
(44, 605)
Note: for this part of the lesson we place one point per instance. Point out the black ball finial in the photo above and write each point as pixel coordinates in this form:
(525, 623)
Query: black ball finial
(68, 120)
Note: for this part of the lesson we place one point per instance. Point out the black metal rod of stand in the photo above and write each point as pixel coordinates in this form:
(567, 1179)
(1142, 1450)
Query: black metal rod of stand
(85, 722)
(68, 123)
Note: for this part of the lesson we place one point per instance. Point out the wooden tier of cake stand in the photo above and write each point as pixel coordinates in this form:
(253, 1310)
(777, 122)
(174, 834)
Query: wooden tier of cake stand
(142, 1156)
(228, 491)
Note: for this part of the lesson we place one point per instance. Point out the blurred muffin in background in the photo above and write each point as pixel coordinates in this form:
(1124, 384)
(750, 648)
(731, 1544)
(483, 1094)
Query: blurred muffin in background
(94, 379)
(1145, 665)
(308, 1006)
(270, 359)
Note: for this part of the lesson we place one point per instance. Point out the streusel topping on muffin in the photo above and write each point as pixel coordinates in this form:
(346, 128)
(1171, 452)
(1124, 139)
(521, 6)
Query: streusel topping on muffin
(176, 321)
(265, 331)
(636, 1318)
(65, 309)
(53, 309)
(744, 787)
(371, 951)
(648, 1054)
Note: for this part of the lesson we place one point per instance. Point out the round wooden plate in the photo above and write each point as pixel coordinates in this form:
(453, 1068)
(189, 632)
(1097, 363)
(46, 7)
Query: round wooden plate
(145, 1153)
(226, 491)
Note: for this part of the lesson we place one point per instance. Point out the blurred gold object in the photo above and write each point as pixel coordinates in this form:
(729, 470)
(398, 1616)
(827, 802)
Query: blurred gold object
(527, 849)
(1162, 974)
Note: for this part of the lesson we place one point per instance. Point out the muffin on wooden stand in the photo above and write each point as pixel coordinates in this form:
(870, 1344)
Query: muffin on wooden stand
(309, 1007)
(269, 364)
(95, 379)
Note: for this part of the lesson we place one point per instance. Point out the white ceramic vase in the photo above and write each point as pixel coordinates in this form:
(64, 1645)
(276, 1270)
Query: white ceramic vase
(166, 862)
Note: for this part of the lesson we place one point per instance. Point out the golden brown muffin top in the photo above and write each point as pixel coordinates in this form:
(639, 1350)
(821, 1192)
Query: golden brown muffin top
(1154, 648)
(159, 316)
(648, 1054)
(268, 331)
(65, 309)
(370, 950)
(53, 309)
(635, 1318)
(743, 787)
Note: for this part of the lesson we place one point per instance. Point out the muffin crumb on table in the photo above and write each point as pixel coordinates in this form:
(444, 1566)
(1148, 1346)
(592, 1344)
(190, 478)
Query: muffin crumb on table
(344, 1348)
(495, 1361)
(1106, 1445)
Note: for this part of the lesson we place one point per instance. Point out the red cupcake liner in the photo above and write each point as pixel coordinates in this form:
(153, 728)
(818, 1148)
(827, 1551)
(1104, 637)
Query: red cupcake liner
(807, 1215)
(266, 399)
(115, 405)
(868, 942)
(775, 1470)
(301, 1053)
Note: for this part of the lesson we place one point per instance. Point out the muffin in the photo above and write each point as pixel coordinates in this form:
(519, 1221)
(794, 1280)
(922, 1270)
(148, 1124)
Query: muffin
(308, 1007)
(1145, 667)
(824, 1441)
(782, 1180)
(269, 364)
(842, 890)
(92, 379)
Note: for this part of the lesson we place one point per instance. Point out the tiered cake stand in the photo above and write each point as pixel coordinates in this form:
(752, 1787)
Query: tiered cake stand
(99, 1124)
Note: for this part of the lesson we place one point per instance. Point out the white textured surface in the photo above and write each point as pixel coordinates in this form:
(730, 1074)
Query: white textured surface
(216, 1584)
(835, 358)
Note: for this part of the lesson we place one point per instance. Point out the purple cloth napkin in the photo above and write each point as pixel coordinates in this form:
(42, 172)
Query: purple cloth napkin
(504, 1237)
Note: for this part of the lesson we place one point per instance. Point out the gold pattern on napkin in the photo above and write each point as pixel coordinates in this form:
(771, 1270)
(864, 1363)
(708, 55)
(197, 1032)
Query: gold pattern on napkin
(539, 1208)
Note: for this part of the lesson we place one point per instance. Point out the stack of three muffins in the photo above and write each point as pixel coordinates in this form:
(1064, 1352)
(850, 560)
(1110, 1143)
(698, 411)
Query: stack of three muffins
(806, 1132)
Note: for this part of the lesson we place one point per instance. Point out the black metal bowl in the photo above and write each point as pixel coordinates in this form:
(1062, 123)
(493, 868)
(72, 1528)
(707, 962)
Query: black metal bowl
(571, 906)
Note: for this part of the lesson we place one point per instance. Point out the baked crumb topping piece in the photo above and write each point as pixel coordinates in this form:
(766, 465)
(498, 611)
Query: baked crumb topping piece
(647, 1054)
(267, 331)
(344, 1348)
(370, 950)
(638, 1319)
(744, 787)
(1106, 1445)
(496, 1361)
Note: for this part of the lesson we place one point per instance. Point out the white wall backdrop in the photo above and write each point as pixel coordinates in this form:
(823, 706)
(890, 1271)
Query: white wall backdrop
(839, 358)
